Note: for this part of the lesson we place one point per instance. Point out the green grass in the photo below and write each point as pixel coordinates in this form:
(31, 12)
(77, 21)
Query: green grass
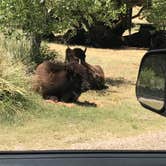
(15, 95)
(42, 125)
(58, 127)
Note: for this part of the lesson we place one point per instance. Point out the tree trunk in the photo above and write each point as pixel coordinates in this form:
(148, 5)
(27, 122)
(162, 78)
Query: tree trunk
(35, 47)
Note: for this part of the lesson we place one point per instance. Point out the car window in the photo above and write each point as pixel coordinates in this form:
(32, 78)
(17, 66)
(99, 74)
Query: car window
(68, 73)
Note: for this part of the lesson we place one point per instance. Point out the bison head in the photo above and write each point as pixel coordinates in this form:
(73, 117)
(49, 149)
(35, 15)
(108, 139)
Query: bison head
(75, 55)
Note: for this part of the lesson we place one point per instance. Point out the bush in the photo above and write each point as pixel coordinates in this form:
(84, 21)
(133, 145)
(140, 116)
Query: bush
(47, 54)
(156, 14)
(15, 94)
(17, 47)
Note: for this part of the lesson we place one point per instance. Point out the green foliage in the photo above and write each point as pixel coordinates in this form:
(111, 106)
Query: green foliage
(47, 54)
(12, 82)
(33, 19)
(30, 16)
(84, 13)
(157, 13)
(149, 79)
(15, 94)
(17, 48)
(39, 17)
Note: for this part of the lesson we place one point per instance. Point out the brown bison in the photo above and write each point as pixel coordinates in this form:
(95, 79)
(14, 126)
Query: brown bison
(96, 76)
(95, 73)
(66, 81)
(58, 81)
(76, 54)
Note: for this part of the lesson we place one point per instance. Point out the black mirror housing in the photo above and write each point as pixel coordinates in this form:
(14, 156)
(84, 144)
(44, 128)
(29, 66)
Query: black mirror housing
(151, 81)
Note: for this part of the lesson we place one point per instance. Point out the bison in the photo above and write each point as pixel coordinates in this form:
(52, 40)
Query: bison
(76, 54)
(95, 74)
(66, 81)
(60, 81)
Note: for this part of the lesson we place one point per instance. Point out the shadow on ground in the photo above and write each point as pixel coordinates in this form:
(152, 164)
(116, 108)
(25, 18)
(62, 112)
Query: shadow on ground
(86, 104)
(118, 81)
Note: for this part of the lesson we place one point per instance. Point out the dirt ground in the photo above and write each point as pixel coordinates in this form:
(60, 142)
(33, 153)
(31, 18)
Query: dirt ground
(148, 141)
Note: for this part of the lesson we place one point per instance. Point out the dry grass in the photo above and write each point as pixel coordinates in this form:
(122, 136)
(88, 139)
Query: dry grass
(117, 115)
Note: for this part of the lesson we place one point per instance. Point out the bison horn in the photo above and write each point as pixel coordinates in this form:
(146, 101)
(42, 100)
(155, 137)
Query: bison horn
(85, 50)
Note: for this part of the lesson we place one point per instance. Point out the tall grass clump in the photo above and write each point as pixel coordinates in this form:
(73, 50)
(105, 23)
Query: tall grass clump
(19, 50)
(15, 94)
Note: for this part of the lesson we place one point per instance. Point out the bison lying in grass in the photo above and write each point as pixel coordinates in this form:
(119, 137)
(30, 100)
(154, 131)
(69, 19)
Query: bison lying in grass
(66, 81)
(95, 73)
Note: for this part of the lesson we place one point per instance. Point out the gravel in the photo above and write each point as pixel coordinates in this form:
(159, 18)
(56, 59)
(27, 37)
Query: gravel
(148, 141)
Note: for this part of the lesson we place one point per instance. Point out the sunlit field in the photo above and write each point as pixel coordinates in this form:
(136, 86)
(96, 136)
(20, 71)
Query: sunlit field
(101, 121)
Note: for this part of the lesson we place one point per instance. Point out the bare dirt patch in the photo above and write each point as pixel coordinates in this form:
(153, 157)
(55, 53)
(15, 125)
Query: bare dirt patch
(148, 141)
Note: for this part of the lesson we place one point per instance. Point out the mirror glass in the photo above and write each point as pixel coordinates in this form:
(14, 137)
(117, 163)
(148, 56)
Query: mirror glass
(151, 81)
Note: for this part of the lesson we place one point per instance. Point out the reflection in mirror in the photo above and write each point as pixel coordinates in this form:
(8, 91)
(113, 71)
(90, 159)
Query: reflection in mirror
(151, 82)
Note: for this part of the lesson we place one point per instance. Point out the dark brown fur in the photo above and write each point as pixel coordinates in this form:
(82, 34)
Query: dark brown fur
(96, 76)
(61, 81)
(76, 54)
(95, 73)
(66, 81)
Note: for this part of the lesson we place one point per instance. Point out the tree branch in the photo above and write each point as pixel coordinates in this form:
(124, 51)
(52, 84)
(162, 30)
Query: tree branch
(139, 13)
(83, 20)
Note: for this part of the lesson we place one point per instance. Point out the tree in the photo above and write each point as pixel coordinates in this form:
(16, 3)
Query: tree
(87, 12)
(106, 18)
(156, 14)
(33, 18)
(103, 21)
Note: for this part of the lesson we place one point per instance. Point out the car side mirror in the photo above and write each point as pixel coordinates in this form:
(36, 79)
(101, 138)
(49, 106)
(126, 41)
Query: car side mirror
(151, 82)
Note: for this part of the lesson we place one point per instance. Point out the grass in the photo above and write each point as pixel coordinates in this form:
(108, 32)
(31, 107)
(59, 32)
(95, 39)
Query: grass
(15, 95)
(118, 114)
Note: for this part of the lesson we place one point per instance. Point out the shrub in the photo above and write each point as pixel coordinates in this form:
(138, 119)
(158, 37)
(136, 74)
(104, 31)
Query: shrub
(47, 54)
(18, 49)
(15, 94)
